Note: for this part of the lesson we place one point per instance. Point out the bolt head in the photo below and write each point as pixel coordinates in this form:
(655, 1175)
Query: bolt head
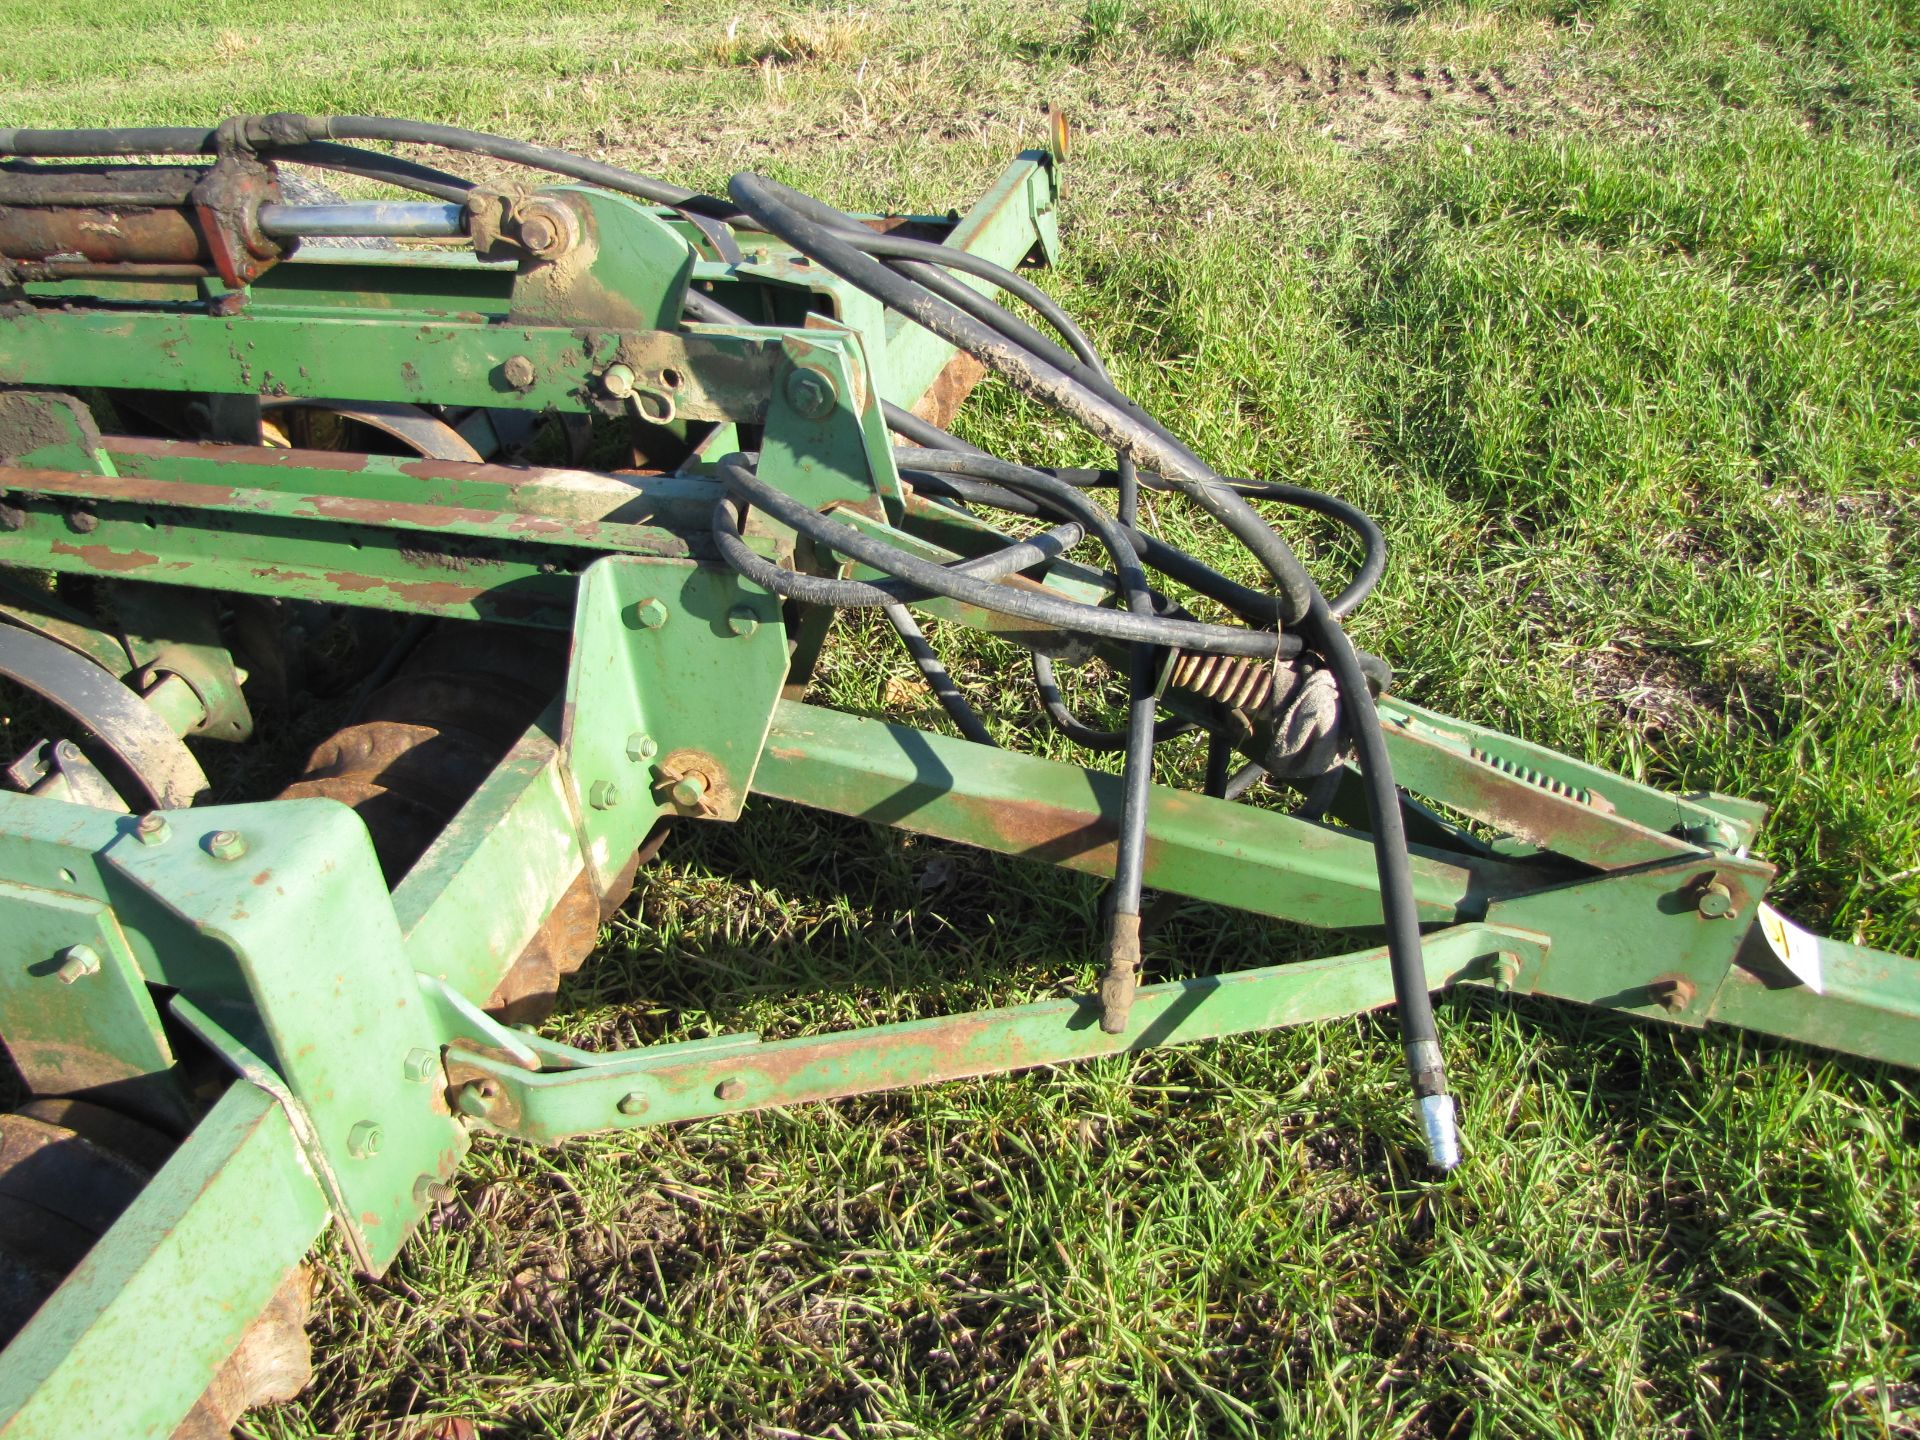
(518, 372)
(82, 522)
(651, 613)
(1716, 900)
(420, 1064)
(1674, 992)
(363, 1141)
(618, 381)
(603, 795)
(742, 621)
(538, 233)
(810, 392)
(77, 962)
(476, 1098)
(151, 828)
(632, 1104)
(729, 1090)
(226, 844)
(641, 747)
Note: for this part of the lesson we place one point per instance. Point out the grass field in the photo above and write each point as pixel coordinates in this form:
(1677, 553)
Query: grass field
(1610, 311)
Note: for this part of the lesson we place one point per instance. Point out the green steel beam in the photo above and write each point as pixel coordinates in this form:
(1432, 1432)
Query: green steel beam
(194, 1259)
(1047, 810)
(666, 1083)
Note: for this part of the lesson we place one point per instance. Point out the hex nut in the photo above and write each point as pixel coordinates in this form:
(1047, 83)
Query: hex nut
(518, 372)
(1674, 992)
(420, 1064)
(742, 621)
(77, 962)
(226, 844)
(363, 1141)
(651, 613)
(151, 828)
(641, 747)
(603, 795)
(1506, 970)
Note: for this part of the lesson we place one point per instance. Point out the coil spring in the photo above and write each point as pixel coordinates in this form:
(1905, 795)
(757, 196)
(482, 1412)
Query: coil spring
(1532, 777)
(1240, 682)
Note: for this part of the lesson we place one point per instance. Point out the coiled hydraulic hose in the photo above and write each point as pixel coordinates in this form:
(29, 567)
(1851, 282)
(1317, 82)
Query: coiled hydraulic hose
(913, 278)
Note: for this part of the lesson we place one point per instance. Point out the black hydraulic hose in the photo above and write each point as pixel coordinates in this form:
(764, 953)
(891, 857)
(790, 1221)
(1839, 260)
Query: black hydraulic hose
(1089, 737)
(867, 595)
(394, 170)
(1115, 423)
(516, 152)
(1239, 598)
(952, 581)
(934, 673)
(796, 219)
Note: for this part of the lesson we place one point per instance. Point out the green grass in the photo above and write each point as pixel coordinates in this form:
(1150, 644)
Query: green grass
(1611, 312)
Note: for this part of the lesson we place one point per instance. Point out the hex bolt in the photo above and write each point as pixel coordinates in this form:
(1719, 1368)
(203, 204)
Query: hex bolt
(518, 372)
(603, 795)
(476, 1098)
(810, 392)
(77, 962)
(618, 381)
(430, 1190)
(742, 621)
(641, 747)
(1674, 992)
(226, 844)
(690, 789)
(1506, 970)
(1716, 900)
(363, 1141)
(151, 828)
(420, 1064)
(633, 1103)
(729, 1090)
(651, 613)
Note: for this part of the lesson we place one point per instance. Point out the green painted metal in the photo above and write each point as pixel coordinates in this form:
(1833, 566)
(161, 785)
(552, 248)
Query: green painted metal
(126, 1346)
(1062, 814)
(661, 1084)
(350, 1015)
(675, 671)
(80, 1020)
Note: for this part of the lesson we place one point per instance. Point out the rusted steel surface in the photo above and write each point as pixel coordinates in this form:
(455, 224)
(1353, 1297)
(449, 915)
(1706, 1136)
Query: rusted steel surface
(108, 712)
(100, 236)
(949, 390)
(1045, 810)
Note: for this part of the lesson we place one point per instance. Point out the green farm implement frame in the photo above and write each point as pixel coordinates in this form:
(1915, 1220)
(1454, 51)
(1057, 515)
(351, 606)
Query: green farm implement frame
(473, 471)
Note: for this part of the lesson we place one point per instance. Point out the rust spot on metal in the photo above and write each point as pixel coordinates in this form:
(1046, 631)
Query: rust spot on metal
(101, 557)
